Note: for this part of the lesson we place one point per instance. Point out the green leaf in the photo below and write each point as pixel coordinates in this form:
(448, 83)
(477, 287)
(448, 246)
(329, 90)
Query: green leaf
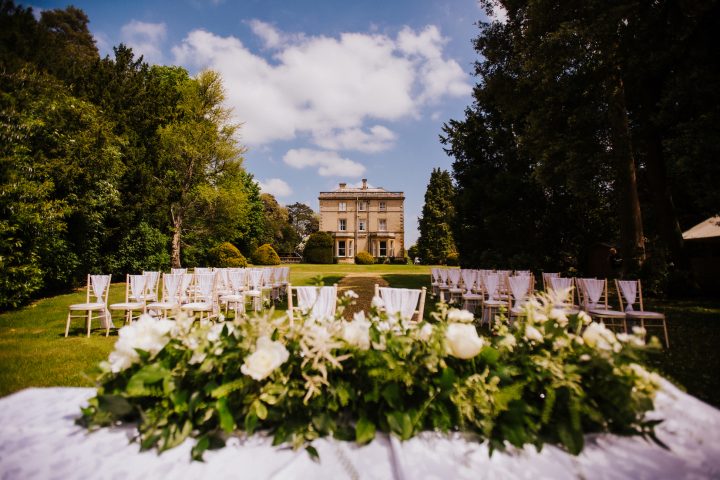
(391, 394)
(312, 451)
(400, 423)
(227, 422)
(323, 423)
(251, 421)
(227, 388)
(260, 410)
(115, 404)
(343, 395)
(202, 444)
(364, 431)
(489, 355)
(148, 375)
(447, 379)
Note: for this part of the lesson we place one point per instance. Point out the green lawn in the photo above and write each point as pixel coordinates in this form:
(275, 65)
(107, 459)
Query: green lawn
(33, 351)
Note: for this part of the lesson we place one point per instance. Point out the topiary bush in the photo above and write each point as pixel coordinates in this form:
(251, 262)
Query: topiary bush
(227, 255)
(319, 248)
(364, 258)
(265, 255)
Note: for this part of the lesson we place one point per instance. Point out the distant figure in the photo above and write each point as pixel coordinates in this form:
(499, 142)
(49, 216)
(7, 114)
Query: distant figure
(416, 261)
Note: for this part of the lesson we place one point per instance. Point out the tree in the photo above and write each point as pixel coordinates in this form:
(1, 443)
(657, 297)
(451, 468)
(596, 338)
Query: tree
(436, 240)
(196, 148)
(278, 231)
(303, 219)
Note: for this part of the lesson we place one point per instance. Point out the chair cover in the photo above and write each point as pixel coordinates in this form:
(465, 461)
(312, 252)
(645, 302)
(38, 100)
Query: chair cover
(593, 290)
(237, 279)
(491, 282)
(138, 284)
(185, 282)
(178, 271)
(171, 287)
(546, 278)
(319, 302)
(255, 278)
(468, 277)
(629, 292)
(402, 301)
(205, 284)
(443, 275)
(454, 277)
(519, 286)
(267, 275)
(151, 283)
(99, 285)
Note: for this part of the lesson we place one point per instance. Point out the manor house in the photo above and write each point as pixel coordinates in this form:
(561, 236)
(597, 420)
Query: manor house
(364, 219)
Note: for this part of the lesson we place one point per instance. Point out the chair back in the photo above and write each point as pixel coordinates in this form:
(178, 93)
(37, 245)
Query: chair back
(320, 303)
(519, 287)
(151, 284)
(469, 277)
(629, 290)
(443, 272)
(135, 286)
(172, 283)
(178, 271)
(267, 276)
(404, 302)
(202, 270)
(237, 278)
(255, 278)
(100, 287)
(592, 293)
(560, 284)
(205, 287)
(491, 282)
(454, 277)
(546, 276)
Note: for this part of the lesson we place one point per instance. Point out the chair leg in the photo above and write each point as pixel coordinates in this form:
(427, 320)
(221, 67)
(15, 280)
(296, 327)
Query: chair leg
(89, 321)
(667, 338)
(67, 325)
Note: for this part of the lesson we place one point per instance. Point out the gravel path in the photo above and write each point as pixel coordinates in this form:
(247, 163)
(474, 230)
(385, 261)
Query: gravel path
(364, 285)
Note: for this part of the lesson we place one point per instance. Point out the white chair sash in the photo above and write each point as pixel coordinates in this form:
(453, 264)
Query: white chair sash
(255, 278)
(402, 301)
(171, 286)
(491, 285)
(443, 275)
(205, 283)
(454, 277)
(185, 282)
(237, 279)
(319, 302)
(547, 276)
(519, 286)
(629, 292)
(593, 290)
(267, 274)
(137, 285)
(468, 277)
(178, 271)
(99, 285)
(558, 284)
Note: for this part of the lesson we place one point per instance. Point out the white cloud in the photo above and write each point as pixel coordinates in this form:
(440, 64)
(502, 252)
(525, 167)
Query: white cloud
(328, 88)
(329, 164)
(377, 139)
(275, 187)
(145, 39)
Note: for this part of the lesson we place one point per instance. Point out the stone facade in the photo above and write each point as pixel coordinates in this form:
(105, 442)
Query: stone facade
(364, 219)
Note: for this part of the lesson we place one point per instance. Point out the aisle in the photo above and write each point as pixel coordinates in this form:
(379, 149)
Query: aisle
(364, 285)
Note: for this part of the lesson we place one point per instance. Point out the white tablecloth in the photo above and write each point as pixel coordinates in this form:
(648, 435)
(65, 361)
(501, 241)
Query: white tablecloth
(38, 439)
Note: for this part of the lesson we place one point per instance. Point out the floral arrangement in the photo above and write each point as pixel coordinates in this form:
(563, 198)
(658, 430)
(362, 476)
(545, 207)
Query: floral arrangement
(546, 377)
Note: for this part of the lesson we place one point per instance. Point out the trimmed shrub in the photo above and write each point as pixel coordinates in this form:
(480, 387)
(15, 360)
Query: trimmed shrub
(364, 258)
(226, 255)
(265, 255)
(453, 259)
(399, 260)
(319, 248)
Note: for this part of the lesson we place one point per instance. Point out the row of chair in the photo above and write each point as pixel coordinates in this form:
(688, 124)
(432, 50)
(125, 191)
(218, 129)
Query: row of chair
(492, 290)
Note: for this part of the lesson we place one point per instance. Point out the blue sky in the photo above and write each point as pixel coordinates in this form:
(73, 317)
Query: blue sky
(327, 91)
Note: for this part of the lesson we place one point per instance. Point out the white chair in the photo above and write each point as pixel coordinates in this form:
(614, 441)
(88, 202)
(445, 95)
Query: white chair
(202, 270)
(186, 288)
(443, 288)
(491, 303)
(100, 286)
(560, 284)
(435, 281)
(594, 300)
(203, 301)
(254, 292)
(631, 291)
(320, 303)
(520, 287)
(135, 287)
(178, 271)
(404, 302)
(237, 282)
(471, 300)
(455, 292)
(170, 295)
(546, 276)
(151, 288)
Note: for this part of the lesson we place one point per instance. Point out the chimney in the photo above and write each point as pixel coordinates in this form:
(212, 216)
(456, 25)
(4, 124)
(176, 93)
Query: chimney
(343, 184)
(364, 187)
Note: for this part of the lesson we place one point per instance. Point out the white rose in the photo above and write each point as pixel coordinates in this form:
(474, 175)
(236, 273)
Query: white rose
(351, 294)
(508, 341)
(145, 334)
(377, 302)
(215, 331)
(357, 333)
(599, 337)
(533, 334)
(558, 315)
(267, 357)
(425, 332)
(463, 340)
(459, 316)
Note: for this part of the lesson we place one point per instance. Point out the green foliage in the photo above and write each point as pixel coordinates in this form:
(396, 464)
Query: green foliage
(227, 255)
(531, 382)
(436, 239)
(453, 259)
(364, 258)
(265, 255)
(303, 219)
(319, 248)
(143, 248)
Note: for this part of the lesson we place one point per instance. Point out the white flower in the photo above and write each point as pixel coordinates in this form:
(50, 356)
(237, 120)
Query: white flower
(651, 378)
(596, 335)
(560, 343)
(377, 302)
(533, 334)
(357, 332)
(425, 332)
(214, 333)
(584, 357)
(586, 319)
(631, 339)
(351, 294)
(145, 334)
(463, 340)
(460, 316)
(267, 357)
(197, 357)
(640, 331)
(508, 341)
(558, 314)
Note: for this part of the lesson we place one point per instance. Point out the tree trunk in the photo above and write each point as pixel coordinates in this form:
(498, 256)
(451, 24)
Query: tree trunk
(632, 241)
(177, 231)
(667, 222)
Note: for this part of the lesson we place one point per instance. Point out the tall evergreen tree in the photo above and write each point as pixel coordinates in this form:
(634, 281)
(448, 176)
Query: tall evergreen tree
(436, 239)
